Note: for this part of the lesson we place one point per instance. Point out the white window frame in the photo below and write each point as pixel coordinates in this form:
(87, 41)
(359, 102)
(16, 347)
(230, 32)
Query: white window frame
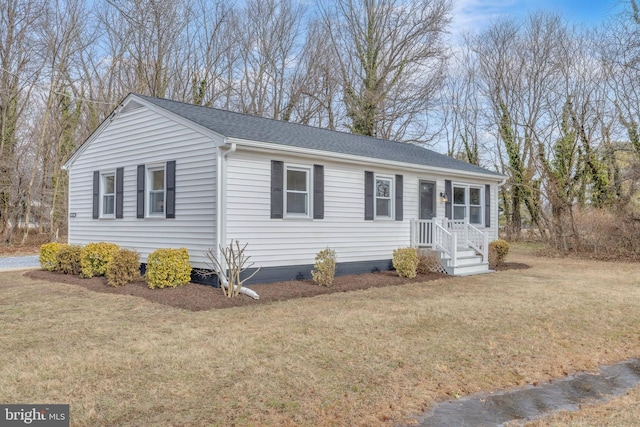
(104, 194)
(479, 206)
(390, 197)
(467, 203)
(149, 190)
(307, 193)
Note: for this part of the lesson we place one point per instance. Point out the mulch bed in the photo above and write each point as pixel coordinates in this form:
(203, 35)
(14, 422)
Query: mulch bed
(195, 297)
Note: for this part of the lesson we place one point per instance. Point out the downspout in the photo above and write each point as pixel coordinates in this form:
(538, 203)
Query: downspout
(221, 199)
(68, 172)
(221, 217)
(500, 184)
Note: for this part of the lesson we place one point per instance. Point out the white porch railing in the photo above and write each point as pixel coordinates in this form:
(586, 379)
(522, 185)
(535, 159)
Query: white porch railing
(446, 235)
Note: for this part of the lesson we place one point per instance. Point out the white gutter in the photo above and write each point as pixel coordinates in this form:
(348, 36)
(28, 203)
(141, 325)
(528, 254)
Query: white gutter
(221, 210)
(221, 196)
(351, 158)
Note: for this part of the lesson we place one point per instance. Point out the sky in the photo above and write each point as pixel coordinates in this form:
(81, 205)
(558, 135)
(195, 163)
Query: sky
(470, 15)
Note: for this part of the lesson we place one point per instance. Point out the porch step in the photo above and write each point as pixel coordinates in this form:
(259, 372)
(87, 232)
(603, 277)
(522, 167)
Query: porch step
(468, 270)
(468, 262)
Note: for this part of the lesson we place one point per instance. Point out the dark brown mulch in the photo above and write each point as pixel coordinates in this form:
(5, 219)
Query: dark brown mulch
(197, 297)
(511, 266)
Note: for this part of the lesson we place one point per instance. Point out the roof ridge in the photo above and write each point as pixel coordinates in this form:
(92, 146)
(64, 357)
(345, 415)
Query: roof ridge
(251, 127)
(253, 116)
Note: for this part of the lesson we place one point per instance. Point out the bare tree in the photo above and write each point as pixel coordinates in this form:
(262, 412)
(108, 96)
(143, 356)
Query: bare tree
(268, 51)
(19, 70)
(520, 78)
(207, 75)
(391, 58)
(314, 94)
(148, 34)
(61, 36)
(619, 48)
(461, 109)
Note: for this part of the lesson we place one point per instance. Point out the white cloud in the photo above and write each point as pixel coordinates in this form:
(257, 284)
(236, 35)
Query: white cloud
(474, 15)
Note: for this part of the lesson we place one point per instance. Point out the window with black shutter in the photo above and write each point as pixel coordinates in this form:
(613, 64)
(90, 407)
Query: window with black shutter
(297, 191)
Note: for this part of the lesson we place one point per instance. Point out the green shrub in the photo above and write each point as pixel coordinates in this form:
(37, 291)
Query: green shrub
(168, 267)
(405, 261)
(498, 250)
(48, 253)
(124, 268)
(324, 270)
(68, 259)
(96, 257)
(428, 263)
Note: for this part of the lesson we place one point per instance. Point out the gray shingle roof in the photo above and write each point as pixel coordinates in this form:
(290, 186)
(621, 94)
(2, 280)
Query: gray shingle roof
(244, 126)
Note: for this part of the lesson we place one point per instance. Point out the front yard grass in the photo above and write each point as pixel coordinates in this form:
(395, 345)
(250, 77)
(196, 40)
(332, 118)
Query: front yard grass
(371, 357)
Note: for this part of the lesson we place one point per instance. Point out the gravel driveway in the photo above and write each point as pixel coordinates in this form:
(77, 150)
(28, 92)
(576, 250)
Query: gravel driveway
(19, 262)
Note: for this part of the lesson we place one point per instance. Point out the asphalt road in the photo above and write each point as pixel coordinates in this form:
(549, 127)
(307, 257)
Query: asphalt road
(19, 262)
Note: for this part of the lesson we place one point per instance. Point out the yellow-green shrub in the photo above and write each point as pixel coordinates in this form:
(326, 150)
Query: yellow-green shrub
(498, 250)
(95, 258)
(428, 263)
(68, 259)
(324, 270)
(405, 261)
(168, 267)
(48, 253)
(124, 268)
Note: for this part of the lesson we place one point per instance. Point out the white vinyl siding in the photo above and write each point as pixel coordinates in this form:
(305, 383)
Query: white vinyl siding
(343, 228)
(142, 136)
(280, 243)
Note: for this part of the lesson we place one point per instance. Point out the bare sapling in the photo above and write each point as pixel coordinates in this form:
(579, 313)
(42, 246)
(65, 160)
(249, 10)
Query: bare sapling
(229, 269)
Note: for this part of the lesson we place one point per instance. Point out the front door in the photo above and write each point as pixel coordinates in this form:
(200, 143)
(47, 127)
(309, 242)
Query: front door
(427, 199)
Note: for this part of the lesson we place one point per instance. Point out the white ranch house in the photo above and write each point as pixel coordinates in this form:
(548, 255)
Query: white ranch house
(164, 174)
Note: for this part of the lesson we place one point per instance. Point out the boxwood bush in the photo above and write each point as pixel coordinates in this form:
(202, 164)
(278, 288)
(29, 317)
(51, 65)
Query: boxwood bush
(96, 257)
(405, 261)
(68, 259)
(325, 267)
(48, 254)
(124, 268)
(168, 267)
(498, 251)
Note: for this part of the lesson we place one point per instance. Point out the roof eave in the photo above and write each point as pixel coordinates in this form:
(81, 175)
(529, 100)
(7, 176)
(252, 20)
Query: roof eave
(354, 159)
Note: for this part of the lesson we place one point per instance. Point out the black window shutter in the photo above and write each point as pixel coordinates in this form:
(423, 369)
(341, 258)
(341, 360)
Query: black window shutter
(318, 192)
(119, 191)
(277, 188)
(140, 192)
(399, 194)
(487, 205)
(96, 194)
(448, 191)
(170, 205)
(368, 196)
